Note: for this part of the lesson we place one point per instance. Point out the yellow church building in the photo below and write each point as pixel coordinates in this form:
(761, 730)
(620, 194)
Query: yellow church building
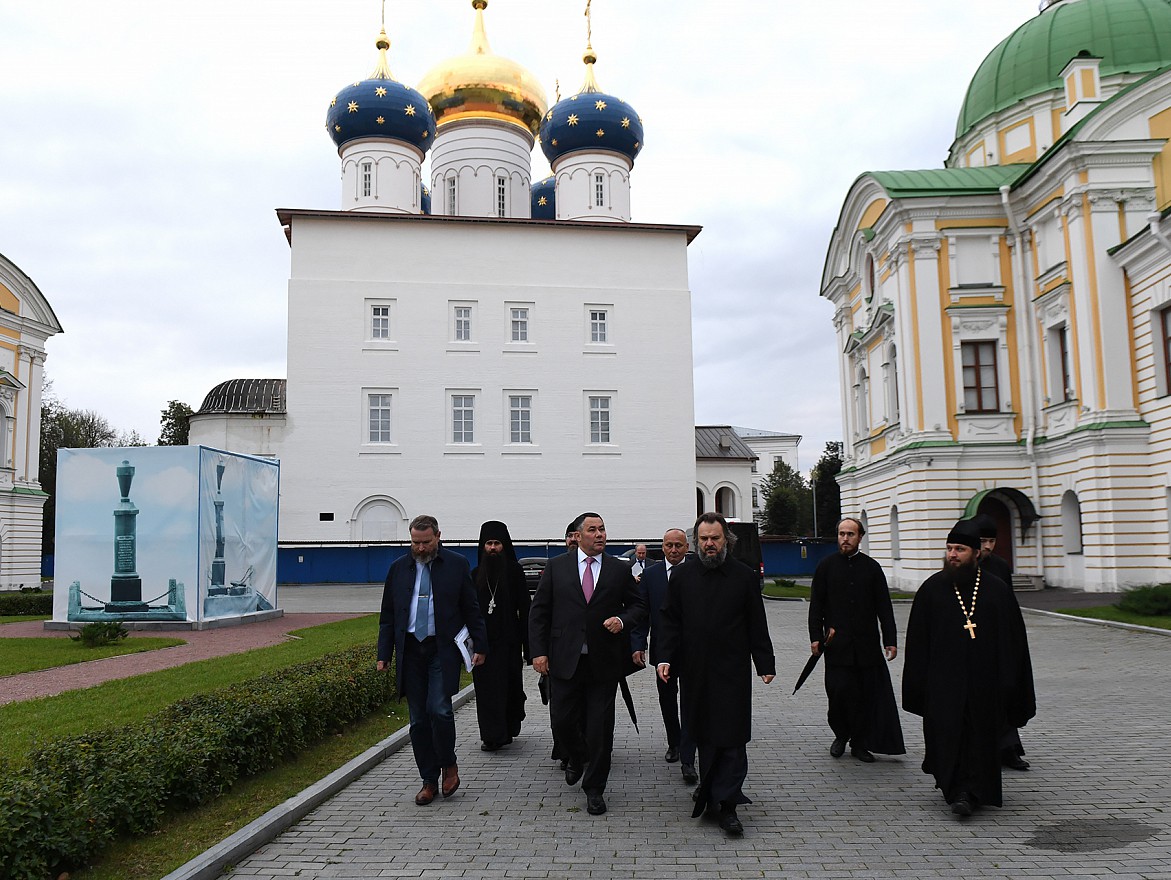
(1004, 322)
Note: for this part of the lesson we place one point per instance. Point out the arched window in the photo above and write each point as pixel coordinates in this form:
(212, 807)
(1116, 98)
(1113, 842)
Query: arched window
(861, 394)
(699, 502)
(725, 501)
(896, 551)
(890, 381)
(1071, 522)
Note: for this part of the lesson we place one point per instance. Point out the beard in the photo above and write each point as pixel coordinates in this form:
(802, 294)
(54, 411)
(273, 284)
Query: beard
(423, 557)
(491, 567)
(714, 561)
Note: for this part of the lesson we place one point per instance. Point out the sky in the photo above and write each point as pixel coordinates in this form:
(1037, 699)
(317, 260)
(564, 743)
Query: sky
(148, 144)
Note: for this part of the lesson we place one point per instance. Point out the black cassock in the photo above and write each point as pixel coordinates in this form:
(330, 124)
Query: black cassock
(968, 690)
(499, 682)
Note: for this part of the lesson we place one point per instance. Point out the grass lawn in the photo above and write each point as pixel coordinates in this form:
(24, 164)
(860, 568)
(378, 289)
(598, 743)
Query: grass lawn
(186, 835)
(29, 655)
(127, 700)
(785, 589)
(1109, 612)
(20, 618)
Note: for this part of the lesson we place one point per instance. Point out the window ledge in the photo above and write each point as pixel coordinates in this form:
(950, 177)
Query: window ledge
(986, 427)
(379, 345)
(379, 449)
(601, 449)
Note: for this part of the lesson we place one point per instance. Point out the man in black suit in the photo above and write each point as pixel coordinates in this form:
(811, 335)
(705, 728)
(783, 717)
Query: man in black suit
(680, 746)
(579, 635)
(428, 598)
(714, 632)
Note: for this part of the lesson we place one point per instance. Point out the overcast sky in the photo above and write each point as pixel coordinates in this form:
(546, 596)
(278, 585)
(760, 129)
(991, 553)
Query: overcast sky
(147, 145)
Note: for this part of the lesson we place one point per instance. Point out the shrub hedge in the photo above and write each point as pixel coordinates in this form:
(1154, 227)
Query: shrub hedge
(72, 796)
(13, 604)
(1147, 601)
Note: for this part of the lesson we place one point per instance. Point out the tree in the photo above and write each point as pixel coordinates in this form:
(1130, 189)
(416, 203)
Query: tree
(827, 493)
(174, 424)
(787, 502)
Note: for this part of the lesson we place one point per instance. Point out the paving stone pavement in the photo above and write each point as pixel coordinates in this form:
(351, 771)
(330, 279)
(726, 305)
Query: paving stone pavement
(1094, 804)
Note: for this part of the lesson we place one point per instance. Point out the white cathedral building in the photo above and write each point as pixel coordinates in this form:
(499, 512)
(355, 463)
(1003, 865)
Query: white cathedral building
(467, 350)
(1004, 322)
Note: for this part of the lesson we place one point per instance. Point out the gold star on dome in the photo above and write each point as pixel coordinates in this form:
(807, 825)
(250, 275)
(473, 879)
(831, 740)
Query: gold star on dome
(599, 105)
(333, 103)
(337, 128)
(572, 120)
(380, 120)
(425, 135)
(380, 92)
(357, 83)
(554, 141)
(410, 111)
(626, 122)
(637, 145)
(542, 201)
(353, 106)
(599, 132)
(549, 116)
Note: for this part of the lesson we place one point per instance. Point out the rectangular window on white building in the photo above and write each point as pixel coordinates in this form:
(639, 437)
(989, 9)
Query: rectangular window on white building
(600, 190)
(519, 324)
(450, 190)
(501, 192)
(367, 178)
(463, 418)
(520, 418)
(378, 412)
(463, 323)
(597, 325)
(599, 419)
(380, 322)
(981, 392)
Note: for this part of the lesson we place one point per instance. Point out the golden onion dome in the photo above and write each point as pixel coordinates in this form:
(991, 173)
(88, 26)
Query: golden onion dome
(481, 85)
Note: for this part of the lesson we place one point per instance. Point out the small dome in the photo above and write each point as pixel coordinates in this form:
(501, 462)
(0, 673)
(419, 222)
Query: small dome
(482, 85)
(1130, 36)
(544, 199)
(591, 120)
(245, 396)
(380, 107)
(424, 198)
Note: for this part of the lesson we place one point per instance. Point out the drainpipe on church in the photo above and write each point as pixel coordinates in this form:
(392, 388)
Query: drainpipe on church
(1027, 382)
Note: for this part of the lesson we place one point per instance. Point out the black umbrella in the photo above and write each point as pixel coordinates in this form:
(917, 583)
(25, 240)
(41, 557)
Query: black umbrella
(812, 661)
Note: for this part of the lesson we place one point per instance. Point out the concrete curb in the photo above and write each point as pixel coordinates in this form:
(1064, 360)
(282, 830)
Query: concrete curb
(211, 863)
(1135, 627)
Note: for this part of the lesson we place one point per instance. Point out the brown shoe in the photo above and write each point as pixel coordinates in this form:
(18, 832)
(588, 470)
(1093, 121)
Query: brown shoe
(426, 794)
(450, 780)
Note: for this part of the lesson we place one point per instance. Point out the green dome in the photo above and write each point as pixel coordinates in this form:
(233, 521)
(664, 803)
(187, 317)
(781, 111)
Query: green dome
(1130, 36)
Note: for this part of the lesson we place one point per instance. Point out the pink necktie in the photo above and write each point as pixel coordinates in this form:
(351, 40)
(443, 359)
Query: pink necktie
(587, 582)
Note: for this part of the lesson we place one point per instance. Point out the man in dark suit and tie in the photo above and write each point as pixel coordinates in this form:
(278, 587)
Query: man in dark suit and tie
(428, 598)
(579, 634)
(680, 746)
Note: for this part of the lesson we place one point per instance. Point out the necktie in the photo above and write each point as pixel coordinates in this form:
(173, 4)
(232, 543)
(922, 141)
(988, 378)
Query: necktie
(587, 582)
(422, 607)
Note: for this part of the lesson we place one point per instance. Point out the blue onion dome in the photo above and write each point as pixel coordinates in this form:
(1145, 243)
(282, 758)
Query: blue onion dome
(425, 199)
(381, 107)
(544, 199)
(591, 120)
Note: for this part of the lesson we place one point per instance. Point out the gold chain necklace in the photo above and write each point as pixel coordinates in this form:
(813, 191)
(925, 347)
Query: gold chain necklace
(969, 626)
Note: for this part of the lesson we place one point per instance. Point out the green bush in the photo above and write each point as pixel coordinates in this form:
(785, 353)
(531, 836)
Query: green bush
(1148, 601)
(74, 795)
(103, 632)
(14, 604)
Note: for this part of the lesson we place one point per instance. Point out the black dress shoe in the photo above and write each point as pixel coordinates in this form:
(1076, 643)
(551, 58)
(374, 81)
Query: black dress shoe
(689, 774)
(573, 773)
(862, 754)
(962, 805)
(489, 747)
(838, 748)
(595, 804)
(672, 755)
(730, 823)
(564, 765)
(1015, 762)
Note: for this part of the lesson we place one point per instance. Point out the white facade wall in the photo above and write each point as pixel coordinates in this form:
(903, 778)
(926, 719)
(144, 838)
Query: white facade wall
(259, 434)
(593, 186)
(422, 268)
(479, 154)
(395, 176)
(711, 476)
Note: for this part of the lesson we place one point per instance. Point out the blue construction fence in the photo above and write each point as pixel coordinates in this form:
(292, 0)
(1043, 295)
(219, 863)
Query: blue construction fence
(350, 563)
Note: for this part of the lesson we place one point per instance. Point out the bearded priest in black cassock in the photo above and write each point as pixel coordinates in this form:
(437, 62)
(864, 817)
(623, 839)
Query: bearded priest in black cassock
(504, 602)
(967, 673)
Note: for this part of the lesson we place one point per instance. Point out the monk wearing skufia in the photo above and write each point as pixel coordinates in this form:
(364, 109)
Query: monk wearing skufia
(967, 673)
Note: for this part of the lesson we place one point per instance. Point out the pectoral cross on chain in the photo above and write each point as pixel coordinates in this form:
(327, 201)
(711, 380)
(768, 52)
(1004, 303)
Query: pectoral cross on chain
(971, 628)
